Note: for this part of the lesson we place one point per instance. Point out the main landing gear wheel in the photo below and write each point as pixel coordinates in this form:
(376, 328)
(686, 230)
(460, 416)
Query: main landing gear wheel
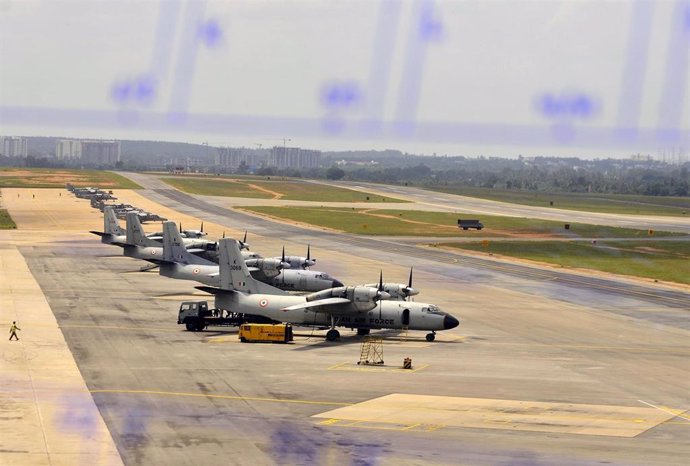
(431, 336)
(363, 331)
(332, 335)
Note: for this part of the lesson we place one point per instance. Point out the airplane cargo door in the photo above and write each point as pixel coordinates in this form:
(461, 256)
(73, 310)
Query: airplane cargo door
(405, 318)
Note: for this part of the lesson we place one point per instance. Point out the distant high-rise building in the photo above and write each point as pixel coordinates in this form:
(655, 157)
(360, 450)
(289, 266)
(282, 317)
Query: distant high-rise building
(100, 152)
(294, 157)
(232, 158)
(14, 146)
(68, 149)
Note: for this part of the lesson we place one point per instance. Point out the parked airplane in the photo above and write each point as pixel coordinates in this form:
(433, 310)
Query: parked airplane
(114, 234)
(299, 262)
(360, 307)
(179, 263)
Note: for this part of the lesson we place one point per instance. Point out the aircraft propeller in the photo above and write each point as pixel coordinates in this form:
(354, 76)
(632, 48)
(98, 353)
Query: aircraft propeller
(309, 261)
(380, 292)
(243, 243)
(408, 290)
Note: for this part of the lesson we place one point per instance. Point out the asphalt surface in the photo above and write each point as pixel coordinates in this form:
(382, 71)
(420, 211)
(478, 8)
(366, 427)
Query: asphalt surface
(174, 397)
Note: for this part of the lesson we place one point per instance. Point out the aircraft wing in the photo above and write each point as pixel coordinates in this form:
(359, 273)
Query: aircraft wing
(317, 303)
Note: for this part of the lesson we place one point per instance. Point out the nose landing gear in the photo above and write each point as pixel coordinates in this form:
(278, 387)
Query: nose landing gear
(431, 336)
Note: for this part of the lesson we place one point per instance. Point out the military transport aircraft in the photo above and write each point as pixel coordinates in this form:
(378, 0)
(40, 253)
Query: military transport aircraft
(360, 307)
(177, 262)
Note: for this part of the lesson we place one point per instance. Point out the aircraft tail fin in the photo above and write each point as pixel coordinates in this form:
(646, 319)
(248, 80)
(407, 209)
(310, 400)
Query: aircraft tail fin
(234, 274)
(174, 250)
(110, 224)
(135, 232)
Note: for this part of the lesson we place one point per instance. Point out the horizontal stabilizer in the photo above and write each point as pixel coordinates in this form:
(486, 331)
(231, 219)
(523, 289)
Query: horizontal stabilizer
(99, 233)
(212, 290)
(317, 303)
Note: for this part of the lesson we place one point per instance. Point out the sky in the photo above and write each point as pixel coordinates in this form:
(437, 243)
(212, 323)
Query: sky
(494, 78)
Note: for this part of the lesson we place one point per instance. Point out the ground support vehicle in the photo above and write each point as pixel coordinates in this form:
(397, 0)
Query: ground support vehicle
(196, 316)
(466, 224)
(265, 333)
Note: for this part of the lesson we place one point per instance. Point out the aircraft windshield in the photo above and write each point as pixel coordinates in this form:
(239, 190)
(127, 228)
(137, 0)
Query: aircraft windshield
(434, 309)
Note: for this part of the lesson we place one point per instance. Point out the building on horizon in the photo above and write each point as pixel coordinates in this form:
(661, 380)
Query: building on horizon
(100, 152)
(232, 158)
(294, 158)
(68, 149)
(14, 146)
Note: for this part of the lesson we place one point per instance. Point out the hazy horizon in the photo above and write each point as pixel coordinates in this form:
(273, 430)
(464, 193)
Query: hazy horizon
(578, 79)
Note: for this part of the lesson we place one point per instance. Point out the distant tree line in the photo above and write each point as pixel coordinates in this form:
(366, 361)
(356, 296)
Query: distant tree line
(610, 176)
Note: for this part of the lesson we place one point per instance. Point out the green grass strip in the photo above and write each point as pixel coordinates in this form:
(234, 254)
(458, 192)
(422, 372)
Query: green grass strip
(662, 260)
(6, 222)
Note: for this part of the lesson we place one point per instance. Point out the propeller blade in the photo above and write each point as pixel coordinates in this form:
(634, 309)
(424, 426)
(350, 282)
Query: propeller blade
(308, 252)
(409, 287)
(202, 226)
(245, 236)
(180, 227)
(223, 234)
(381, 281)
(282, 259)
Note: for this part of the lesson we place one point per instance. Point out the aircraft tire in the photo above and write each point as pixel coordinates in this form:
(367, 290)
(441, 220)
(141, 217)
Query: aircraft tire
(332, 335)
(363, 331)
(430, 337)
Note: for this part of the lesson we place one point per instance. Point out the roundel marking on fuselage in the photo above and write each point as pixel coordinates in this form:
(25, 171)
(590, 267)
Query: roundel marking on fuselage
(263, 302)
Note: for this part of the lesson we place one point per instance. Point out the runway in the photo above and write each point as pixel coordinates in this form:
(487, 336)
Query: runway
(544, 369)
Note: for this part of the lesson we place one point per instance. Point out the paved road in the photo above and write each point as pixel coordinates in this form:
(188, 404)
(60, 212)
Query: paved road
(454, 203)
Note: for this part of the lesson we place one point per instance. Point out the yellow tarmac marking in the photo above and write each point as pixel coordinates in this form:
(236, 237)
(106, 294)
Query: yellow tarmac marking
(118, 327)
(223, 397)
(667, 410)
(348, 366)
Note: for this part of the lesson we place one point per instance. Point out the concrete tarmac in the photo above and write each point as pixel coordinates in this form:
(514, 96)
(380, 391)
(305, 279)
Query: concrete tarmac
(540, 371)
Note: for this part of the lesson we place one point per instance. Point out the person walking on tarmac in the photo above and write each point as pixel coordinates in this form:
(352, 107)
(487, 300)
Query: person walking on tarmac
(13, 331)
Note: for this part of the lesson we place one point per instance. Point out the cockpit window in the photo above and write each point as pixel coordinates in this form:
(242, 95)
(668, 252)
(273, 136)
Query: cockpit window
(434, 309)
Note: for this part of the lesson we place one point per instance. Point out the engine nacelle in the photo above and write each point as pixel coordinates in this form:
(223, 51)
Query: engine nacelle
(269, 267)
(362, 298)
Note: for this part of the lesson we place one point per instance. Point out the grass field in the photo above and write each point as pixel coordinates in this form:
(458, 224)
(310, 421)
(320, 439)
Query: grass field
(609, 203)
(422, 223)
(264, 189)
(662, 260)
(6, 222)
(57, 177)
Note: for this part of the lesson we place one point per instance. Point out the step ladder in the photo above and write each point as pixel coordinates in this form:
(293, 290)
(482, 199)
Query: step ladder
(372, 351)
(404, 333)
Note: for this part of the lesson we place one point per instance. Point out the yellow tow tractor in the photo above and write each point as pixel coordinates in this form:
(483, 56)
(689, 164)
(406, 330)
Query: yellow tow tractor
(265, 333)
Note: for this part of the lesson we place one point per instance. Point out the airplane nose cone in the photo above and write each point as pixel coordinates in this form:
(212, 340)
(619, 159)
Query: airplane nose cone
(337, 284)
(450, 322)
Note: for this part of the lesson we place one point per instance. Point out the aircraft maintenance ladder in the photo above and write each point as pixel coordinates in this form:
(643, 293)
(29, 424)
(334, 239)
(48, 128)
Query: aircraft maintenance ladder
(372, 351)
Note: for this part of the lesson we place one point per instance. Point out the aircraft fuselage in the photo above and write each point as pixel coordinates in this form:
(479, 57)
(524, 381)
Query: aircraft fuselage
(386, 314)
